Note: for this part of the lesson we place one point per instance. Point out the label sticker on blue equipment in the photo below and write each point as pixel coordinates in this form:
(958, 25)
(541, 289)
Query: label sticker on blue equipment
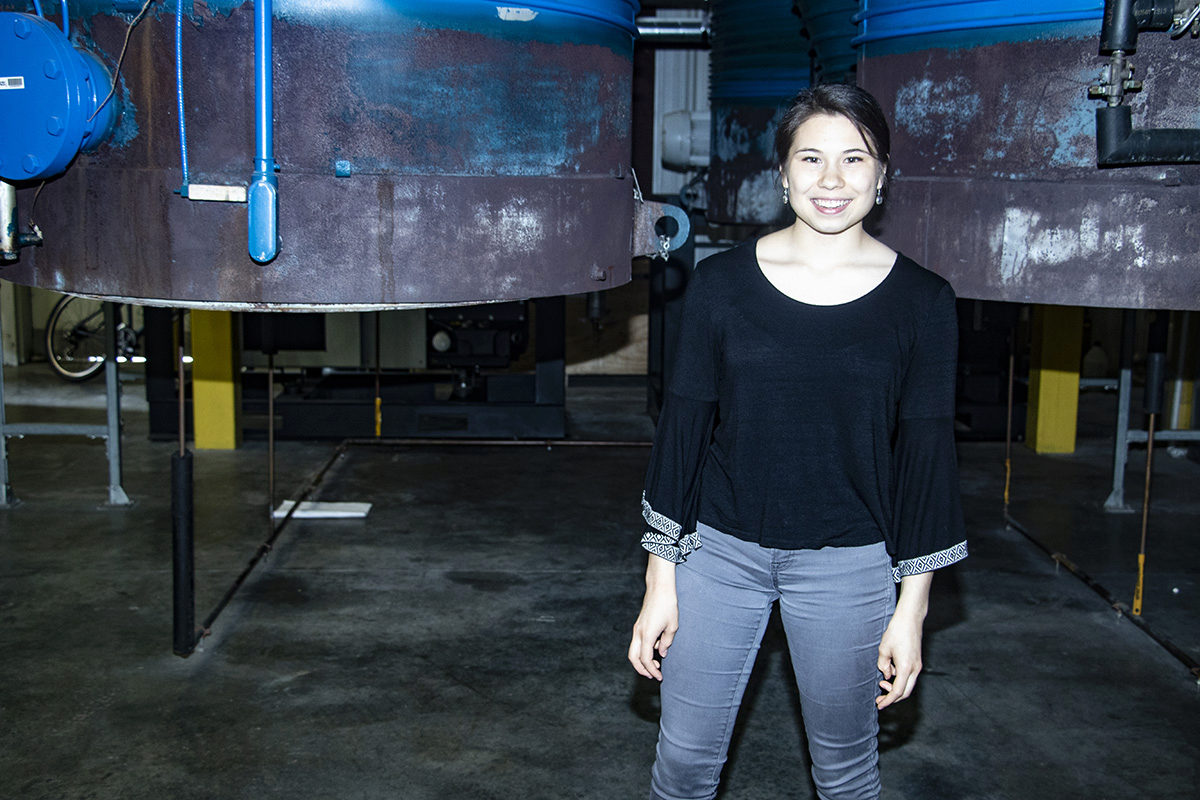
(16, 82)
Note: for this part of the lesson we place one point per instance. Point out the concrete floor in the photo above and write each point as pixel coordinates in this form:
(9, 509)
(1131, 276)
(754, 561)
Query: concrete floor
(467, 640)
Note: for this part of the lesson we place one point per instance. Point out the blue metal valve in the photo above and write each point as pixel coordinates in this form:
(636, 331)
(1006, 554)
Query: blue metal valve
(49, 96)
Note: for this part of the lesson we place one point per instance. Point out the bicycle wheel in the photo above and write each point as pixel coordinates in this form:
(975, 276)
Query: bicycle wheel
(75, 338)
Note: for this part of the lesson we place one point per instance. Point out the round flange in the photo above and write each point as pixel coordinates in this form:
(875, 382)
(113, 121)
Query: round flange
(49, 93)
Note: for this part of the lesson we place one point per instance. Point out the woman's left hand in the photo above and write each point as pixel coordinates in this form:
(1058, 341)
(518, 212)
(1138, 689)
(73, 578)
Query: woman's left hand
(900, 649)
(899, 659)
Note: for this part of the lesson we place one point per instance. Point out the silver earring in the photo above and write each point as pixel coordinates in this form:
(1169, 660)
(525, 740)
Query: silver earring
(785, 195)
(879, 196)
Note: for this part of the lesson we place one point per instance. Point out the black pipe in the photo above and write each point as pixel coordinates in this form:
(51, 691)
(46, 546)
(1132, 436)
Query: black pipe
(1124, 18)
(1118, 145)
(1155, 15)
(183, 554)
(1119, 30)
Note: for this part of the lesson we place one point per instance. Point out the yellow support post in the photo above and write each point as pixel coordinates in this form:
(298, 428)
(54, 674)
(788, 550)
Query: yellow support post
(216, 384)
(1181, 390)
(1057, 351)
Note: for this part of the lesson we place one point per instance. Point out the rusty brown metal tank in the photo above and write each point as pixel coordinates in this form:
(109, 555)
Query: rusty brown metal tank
(994, 163)
(428, 153)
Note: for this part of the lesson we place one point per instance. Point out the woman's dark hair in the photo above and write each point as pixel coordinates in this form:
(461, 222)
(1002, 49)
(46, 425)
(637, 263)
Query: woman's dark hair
(851, 102)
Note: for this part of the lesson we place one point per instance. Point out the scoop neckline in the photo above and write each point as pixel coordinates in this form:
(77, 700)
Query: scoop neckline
(762, 276)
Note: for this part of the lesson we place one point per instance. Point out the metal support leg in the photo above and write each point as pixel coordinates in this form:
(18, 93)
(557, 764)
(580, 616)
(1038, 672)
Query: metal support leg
(6, 498)
(1116, 499)
(183, 555)
(550, 372)
(112, 442)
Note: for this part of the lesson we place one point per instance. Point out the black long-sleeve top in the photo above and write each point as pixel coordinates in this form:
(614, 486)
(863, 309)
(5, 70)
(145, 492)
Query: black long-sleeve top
(800, 426)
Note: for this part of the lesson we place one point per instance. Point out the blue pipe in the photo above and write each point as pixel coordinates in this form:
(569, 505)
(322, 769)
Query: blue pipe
(183, 190)
(65, 22)
(263, 194)
(37, 6)
(995, 15)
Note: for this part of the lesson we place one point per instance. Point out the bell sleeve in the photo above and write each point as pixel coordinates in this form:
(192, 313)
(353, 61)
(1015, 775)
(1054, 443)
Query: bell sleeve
(671, 494)
(928, 531)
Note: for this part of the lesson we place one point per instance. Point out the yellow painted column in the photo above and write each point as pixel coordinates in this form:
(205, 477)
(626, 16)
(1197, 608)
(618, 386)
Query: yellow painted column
(216, 381)
(1185, 358)
(1057, 350)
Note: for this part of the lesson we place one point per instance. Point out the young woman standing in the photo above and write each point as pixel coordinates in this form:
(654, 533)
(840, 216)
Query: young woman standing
(805, 455)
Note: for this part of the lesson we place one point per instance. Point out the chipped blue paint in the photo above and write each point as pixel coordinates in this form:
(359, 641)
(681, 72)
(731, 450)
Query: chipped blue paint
(732, 139)
(1067, 125)
(126, 129)
(497, 131)
(924, 106)
(765, 141)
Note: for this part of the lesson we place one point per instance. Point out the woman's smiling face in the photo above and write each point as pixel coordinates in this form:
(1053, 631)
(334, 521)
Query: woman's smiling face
(831, 176)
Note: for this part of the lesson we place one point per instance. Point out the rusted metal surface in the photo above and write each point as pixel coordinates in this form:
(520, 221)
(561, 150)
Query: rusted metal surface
(474, 168)
(995, 183)
(743, 182)
(371, 239)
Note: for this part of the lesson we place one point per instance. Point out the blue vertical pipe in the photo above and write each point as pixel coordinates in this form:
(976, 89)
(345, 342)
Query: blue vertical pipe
(183, 161)
(263, 195)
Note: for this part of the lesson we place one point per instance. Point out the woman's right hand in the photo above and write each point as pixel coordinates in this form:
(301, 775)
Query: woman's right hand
(659, 619)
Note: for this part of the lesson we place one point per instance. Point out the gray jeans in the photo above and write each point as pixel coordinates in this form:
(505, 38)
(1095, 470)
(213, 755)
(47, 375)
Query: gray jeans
(835, 604)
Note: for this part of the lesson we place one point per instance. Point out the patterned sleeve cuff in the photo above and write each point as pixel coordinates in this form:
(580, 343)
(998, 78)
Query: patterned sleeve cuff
(942, 558)
(674, 550)
(666, 539)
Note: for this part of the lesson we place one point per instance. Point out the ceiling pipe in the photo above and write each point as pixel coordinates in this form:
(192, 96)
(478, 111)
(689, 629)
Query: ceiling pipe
(668, 30)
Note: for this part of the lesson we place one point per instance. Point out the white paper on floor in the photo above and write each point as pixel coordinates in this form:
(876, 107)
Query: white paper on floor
(315, 509)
